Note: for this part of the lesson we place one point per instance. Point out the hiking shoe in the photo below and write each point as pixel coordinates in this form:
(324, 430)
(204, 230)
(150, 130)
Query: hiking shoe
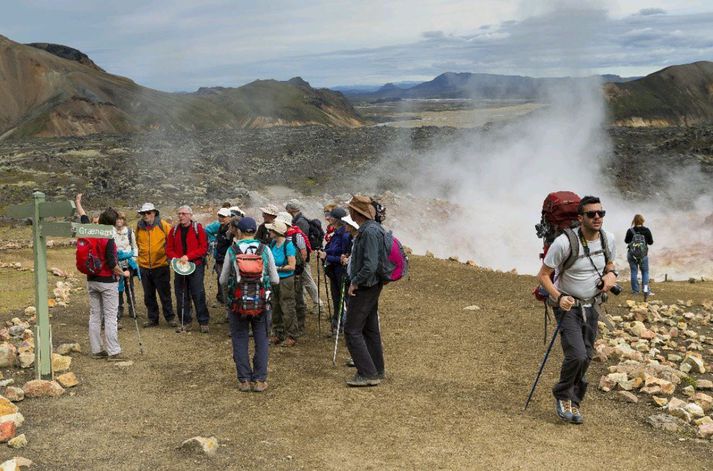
(288, 342)
(260, 386)
(183, 328)
(381, 375)
(563, 408)
(99, 356)
(275, 340)
(359, 381)
(149, 324)
(350, 363)
(173, 323)
(244, 386)
(204, 328)
(576, 415)
(117, 357)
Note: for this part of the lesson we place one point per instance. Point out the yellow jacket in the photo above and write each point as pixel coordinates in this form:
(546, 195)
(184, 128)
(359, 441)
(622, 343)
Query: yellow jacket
(152, 244)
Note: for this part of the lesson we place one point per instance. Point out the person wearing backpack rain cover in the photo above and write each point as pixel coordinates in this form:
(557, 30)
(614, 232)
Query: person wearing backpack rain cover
(638, 238)
(576, 295)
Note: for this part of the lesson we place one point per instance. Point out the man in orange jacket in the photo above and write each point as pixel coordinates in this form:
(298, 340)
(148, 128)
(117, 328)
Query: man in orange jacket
(188, 242)
(151, 235)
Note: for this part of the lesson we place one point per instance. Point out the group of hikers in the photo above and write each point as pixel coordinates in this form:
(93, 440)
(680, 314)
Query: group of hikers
(263, 272)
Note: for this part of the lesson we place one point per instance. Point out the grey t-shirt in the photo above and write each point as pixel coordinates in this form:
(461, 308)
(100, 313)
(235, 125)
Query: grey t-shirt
(580, 280)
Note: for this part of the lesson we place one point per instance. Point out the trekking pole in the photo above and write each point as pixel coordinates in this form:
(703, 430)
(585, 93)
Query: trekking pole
(319, 304)
(183, 302)
(339, 322)
(542, 366)
(326, 292)
(130, 295)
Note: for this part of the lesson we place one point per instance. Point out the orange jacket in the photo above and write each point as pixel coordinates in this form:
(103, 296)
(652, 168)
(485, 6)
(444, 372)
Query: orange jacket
(152, 244)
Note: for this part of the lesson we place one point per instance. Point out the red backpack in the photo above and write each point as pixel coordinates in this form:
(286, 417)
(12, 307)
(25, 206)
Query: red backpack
(90, 257)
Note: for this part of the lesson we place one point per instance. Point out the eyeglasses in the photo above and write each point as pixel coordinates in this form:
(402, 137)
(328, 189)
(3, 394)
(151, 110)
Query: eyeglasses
(183, 214)
(591, 214)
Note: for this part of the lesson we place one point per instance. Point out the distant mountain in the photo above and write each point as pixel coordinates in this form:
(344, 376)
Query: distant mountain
(52, 90)
(474, 86)
(679, 95)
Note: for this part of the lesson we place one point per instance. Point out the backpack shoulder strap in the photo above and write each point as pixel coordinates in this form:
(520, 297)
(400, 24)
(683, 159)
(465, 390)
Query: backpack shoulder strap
(605, 247)
(573, 249)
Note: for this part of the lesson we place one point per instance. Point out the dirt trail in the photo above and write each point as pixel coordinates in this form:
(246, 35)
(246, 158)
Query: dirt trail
(456, 384)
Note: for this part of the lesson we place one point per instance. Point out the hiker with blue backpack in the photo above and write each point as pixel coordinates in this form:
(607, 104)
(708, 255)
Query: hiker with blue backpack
(249, 275)
(638, 238)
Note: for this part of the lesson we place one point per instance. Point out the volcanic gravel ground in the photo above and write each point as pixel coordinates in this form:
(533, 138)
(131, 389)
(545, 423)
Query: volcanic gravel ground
(456, 383)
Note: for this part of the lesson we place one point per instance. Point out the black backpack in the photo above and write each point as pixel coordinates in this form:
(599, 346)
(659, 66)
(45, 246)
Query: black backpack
(638, 248)
(316, 234)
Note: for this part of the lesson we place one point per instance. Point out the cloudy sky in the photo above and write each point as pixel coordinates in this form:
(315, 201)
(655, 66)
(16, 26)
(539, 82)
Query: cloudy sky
(184, 44)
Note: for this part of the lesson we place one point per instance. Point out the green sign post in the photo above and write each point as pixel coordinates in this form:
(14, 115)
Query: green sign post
(37, 211)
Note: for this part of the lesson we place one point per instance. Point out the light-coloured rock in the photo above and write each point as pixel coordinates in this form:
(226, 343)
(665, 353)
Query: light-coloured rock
(660, 401)
(6, 382)
(689, 390)
(26, 359)
(703, 400)
(665, 422)
(628, 396)
(8, 355)
(704, 384)
(14, 394)
(695, 410)
(704, 420)
(696, 362)
(124, 364)
(68, 380)
(705, 430)
(61, 363)
(67, 348)
(637, 328)
(19, 441)
(17, 463)
(472, 308)
(6, 407)
(207, 445)
(42, 388)
(30, 311)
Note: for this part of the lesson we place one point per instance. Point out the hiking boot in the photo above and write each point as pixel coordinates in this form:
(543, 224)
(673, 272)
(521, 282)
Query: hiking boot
(183, 328)
(288, 342)
(260, 386)
(173, 323)
(275, 340)
(576, 415)
(381, 375)
(563, 408)
(350, 363)
(149, 324)
(359, 381)
(204, 328)
(117, 357)
(244, 386)
(99, 356)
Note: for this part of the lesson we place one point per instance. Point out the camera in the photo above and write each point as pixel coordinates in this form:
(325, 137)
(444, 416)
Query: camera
(615, 290)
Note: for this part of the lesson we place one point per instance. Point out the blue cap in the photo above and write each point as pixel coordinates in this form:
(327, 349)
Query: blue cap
(247, 224)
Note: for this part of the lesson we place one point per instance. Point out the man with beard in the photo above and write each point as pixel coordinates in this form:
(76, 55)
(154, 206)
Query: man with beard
(576, 294)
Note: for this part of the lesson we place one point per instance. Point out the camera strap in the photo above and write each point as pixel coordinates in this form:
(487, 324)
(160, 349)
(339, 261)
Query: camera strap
(585, 246)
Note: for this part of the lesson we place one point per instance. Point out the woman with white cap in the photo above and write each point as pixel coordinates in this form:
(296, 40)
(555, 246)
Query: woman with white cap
(284, 316)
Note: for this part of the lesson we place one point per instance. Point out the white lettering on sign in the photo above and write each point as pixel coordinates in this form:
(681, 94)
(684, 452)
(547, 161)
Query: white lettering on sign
(93, 232)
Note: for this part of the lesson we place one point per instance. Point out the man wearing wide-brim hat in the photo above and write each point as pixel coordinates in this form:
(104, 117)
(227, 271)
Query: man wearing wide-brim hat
(151, 235)
(269, 213)
(361, 329)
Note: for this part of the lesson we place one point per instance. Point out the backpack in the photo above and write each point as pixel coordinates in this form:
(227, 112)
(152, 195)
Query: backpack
(638, 248)
(90, 257)
(247, 297)
(316, 234)
(394, 261)
(559, 215)
(380, 211)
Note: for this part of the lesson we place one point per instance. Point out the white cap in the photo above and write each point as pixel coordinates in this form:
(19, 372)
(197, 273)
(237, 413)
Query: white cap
(285, 217)
(224, 212)
(236, 211)
(147, 207)
(350, 221)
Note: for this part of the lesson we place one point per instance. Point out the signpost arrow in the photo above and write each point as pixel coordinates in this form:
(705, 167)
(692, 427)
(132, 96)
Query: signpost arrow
(57, 208)
(57, 229)
(20, 210)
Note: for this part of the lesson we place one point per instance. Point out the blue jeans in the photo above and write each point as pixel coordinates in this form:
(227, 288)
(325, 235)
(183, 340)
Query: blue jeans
(239, 335)
(634, 265)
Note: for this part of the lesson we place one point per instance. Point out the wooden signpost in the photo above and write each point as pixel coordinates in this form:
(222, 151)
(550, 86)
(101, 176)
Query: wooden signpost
(38, 210)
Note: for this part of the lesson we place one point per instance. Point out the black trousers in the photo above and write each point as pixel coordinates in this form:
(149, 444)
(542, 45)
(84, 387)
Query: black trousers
(361, 331)
(578, 331)
(191, 291)
(157, 280)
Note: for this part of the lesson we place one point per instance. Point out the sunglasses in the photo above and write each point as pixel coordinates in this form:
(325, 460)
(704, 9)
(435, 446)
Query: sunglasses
(592, 214)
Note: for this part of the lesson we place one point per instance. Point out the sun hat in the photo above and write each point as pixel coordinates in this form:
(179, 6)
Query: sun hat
(285, 217)
(247, 224)
(338, 213)
(270, 209)
(236, 211)
(362, 205)
(147, 207)
(277, 226)
(225, 212)
(348, 220)
(182, 268)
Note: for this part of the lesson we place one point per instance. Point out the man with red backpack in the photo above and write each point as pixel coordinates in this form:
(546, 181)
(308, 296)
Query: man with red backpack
(97, 258)
(188, 242)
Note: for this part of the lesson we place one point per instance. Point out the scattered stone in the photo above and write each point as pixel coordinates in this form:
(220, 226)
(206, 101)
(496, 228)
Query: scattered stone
(6, 382)
(68, 380)
(472, 308)
(58, 272)
(15, 464)
(207, 445)
(695, 410)
(705, 430)
(665, 422)
(61, 363)
(8, 355)
(14, 394)
(628, 396)
(42, 388)
(26, 359)
(660, 401)
(704, 420)
(19, 441)
(695, 360)
(30, 311)
(688, 391)
(67, 348)
(704, 384)
(7, 431)
(124, 364)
